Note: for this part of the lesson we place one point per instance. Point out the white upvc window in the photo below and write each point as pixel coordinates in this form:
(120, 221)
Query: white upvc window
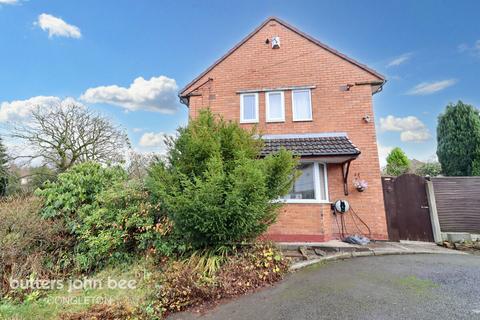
(302, 105)
(249, 108)
(311, 186)
(275, 106)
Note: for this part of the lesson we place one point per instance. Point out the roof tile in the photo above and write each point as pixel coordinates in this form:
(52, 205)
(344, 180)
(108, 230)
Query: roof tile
(312, 146)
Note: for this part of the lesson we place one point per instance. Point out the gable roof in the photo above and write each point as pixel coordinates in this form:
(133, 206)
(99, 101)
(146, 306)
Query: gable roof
(292, 28)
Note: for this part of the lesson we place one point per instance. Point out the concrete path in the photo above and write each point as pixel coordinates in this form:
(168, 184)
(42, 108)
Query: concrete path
(421, 286)
(342, 250)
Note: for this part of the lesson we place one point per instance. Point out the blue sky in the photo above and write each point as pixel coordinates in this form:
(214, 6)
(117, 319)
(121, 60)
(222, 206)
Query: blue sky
(94, 50)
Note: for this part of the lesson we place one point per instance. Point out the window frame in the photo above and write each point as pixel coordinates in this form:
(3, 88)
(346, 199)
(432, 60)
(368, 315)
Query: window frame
(267, 106)
(294, 107)
(242, 120)
(317, 184)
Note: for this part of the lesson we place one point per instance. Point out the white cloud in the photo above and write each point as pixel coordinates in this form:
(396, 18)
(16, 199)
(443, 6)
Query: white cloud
(8, 2)
(136, 130)
(462, 47)
(158, 94)
(411, 128)
(425, 88)
(399, 60)
(473, 49)
(19, 109)
(394, 77)
(383, 152)
(392, 123)
(153, 142)
(152, 139)
(57, 27)
(415, 136)
(476, 47)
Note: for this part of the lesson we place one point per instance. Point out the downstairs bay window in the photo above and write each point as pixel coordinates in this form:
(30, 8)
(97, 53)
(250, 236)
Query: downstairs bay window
(311, 186)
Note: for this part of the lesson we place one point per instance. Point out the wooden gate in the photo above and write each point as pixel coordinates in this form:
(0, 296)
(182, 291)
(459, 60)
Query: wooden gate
(406, 206)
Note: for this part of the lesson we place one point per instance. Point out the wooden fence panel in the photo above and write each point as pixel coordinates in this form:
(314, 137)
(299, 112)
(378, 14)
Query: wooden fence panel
(458, 203)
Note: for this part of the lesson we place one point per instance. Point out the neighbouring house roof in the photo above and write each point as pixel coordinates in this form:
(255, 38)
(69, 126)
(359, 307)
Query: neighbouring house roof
(311, 145)
(288, 26)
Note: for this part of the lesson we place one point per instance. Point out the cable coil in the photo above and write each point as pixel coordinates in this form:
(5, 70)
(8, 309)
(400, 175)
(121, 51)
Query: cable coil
(343, 229)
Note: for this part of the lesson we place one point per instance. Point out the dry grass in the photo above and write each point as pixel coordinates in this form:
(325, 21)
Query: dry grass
(185, 285)
(27, 241)
(101, 311)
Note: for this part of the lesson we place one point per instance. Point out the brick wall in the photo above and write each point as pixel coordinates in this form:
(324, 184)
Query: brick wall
(300, 62)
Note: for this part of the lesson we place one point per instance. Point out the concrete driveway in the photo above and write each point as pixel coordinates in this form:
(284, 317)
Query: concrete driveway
(422, 286)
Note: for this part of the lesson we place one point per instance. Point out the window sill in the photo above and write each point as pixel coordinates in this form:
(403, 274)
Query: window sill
(249, 121)
(302, 120)
(275, 121)
(304, 201)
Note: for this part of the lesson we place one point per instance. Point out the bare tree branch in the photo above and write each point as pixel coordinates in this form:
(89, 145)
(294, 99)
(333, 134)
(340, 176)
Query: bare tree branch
(67, 134)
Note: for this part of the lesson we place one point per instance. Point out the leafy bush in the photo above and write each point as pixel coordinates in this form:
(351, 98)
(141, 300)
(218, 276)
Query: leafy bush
(77, 187)
(29, 245)
(110, 217)
(184, 286)
(431, 169)
(73, 197)
(40, 176)
(215, 187)
(121, 223)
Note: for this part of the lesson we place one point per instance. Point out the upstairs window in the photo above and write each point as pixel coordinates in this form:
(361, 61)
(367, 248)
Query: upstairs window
(249, 108)
(275, 106)
(301, 105)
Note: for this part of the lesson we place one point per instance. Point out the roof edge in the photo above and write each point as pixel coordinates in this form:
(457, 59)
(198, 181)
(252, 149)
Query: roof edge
(292, 28)
(330, 49)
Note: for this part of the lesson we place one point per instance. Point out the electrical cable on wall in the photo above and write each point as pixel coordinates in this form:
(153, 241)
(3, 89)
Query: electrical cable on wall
(340, 208)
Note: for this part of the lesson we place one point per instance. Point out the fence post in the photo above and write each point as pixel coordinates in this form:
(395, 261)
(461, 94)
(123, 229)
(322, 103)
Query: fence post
(432, 205)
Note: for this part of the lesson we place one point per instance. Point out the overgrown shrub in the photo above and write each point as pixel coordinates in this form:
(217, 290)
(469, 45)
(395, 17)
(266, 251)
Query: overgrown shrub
(111, 217)
(29, 245)
(120, 223)
(38, 177)
(431, 169)
(215, 187)
(185, 286)
(76, 188)
(73, 197)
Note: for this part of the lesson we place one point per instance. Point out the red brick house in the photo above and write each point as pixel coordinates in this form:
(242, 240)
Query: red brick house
(313, 100)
